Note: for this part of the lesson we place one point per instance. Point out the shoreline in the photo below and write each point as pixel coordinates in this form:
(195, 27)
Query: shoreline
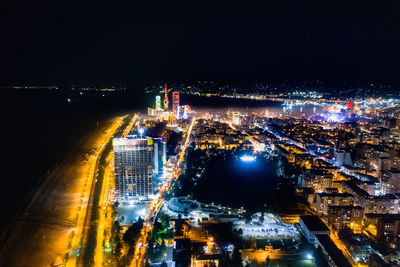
(47, 215)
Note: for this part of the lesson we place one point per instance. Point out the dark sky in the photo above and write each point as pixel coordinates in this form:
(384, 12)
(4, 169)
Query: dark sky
(109, 41)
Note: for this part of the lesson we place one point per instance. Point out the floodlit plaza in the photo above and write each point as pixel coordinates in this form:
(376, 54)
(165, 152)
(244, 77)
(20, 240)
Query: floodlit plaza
(266, 226)
(129, 214)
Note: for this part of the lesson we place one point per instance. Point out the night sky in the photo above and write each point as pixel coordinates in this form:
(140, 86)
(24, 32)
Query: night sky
(113, 41)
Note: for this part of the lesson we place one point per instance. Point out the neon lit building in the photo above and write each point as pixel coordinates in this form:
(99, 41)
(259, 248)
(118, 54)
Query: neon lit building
(166, 102)
(350, 105)
(158, 102)
(175, 103)
(133, 160)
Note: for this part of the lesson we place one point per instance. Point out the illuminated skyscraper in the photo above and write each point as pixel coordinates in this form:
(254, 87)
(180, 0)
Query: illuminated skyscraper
(133, 168)
(166, 102)
(175, 103)
(158, 102)
(160, 155)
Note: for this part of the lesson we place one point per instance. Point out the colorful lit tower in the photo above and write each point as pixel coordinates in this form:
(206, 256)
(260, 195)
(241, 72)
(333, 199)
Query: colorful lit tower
(165, 98)
(158, 102)
(175, 103)
(350, 104)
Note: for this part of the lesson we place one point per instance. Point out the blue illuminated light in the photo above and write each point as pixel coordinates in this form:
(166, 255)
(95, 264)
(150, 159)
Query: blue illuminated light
(248, 158)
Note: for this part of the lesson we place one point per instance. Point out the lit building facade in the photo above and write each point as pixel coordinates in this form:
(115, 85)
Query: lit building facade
(324, 201)
(152, 112)
(175, 103)
(350, 216)
(384, 227)
(158, 102)
(172, 124)
(133, 168)
(160, 155)
(166, 102)
(391, 182)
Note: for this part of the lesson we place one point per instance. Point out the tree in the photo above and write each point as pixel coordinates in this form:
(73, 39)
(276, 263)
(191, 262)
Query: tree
(118, 250)
(133, 232)
(115, 228)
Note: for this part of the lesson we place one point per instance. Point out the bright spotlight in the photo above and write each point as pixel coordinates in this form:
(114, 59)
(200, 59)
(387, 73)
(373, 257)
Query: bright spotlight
(248, 158)
(309, 256)
(141, 131)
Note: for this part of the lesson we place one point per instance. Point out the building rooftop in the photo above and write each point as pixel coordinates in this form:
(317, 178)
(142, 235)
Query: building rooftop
(346, 207)
(314, 223)
(376, 259)
(383, 216)
(323, 194)
(349, 167)
(334, 253)
(208, 257)
(356, 189)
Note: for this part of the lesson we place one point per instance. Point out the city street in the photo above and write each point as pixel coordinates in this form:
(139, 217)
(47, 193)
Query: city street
(155, 205)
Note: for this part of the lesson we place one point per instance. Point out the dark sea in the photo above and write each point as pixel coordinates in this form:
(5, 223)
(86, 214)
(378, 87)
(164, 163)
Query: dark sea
(38, 128)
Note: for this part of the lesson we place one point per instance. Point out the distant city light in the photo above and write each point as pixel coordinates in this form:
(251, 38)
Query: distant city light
(248, 158)
(334, 117)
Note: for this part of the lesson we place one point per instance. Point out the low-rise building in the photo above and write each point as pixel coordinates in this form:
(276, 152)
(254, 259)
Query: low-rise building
(312, 225)
(332, 253)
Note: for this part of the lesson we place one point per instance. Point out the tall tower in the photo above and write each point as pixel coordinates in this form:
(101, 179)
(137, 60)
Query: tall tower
(160, 155)
(133, 160)
(165, 98)
(175, 103)
(350, 104)
(158, 102)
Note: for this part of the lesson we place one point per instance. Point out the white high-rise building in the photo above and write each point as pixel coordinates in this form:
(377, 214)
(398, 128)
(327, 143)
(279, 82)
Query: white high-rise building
(133, 168)
(160, 155)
